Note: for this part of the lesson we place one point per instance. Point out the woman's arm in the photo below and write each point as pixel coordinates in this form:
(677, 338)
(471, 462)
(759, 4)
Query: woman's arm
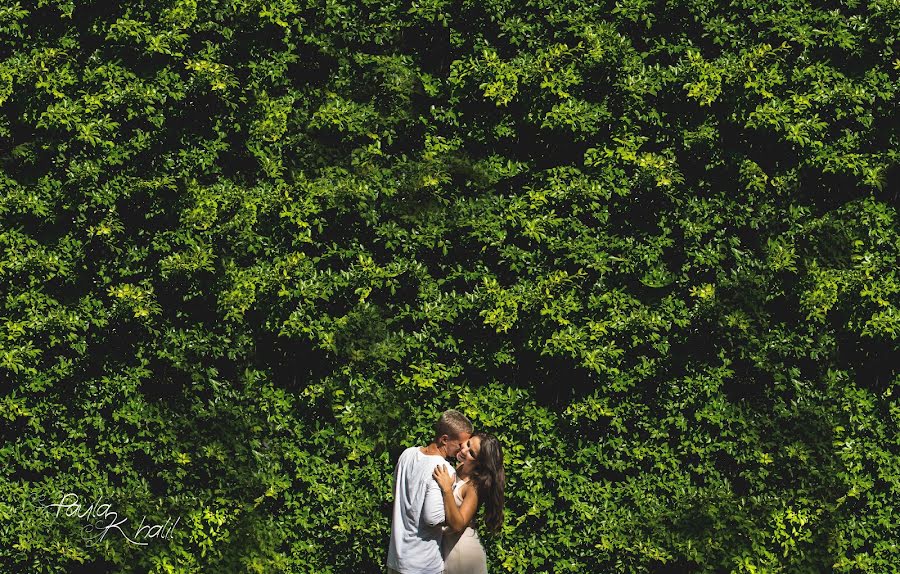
(458, 517)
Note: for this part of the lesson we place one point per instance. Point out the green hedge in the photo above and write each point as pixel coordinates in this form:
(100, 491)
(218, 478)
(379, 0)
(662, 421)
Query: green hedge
(249, 250)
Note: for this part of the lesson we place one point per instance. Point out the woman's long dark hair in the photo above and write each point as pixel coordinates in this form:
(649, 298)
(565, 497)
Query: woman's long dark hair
(490, 479)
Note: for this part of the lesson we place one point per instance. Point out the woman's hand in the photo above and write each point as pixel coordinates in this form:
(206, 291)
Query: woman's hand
(443, 478)
(458, 517)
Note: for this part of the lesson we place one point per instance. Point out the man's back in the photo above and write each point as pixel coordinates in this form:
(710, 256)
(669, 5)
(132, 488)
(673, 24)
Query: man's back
(418, 514)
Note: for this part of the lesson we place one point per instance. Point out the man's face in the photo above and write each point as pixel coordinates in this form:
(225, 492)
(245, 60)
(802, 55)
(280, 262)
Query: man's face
(455, 443)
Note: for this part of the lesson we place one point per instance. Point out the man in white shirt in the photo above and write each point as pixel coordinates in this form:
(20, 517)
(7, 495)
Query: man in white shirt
(418, 503)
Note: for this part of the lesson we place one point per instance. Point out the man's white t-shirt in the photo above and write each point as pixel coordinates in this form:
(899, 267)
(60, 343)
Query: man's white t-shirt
(418, 514)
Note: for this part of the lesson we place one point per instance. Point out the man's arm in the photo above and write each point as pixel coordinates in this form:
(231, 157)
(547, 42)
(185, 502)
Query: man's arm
(433, 507)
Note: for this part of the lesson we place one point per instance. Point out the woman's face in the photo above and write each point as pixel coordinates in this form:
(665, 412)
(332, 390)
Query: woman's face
(468, 454)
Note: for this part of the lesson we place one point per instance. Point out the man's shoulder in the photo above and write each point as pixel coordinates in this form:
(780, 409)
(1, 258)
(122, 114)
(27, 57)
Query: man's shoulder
(409, 456)
(413, 456)
(409, 452)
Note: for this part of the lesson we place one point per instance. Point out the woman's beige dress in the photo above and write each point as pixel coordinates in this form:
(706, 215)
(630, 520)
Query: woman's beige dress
(463, 553)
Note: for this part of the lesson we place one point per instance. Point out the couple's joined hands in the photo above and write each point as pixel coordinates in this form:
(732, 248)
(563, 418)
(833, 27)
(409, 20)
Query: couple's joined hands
(443, 478)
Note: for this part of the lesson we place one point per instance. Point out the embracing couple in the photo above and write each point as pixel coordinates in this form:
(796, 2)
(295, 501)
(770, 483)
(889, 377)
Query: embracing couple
(435, 505)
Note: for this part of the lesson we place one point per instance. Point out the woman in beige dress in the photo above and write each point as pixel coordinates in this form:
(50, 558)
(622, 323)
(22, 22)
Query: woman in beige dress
(479, 481)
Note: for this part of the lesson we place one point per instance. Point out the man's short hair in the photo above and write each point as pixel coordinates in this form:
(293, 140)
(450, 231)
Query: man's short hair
(452, 423)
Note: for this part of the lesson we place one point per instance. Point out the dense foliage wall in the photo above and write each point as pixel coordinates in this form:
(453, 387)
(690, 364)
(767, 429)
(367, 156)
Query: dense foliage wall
(249, 250)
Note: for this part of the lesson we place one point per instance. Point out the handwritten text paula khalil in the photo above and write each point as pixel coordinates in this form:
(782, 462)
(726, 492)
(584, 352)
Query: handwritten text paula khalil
(101, 520)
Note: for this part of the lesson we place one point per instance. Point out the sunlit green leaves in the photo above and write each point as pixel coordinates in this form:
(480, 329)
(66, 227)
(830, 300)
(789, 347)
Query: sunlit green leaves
(250, 250)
